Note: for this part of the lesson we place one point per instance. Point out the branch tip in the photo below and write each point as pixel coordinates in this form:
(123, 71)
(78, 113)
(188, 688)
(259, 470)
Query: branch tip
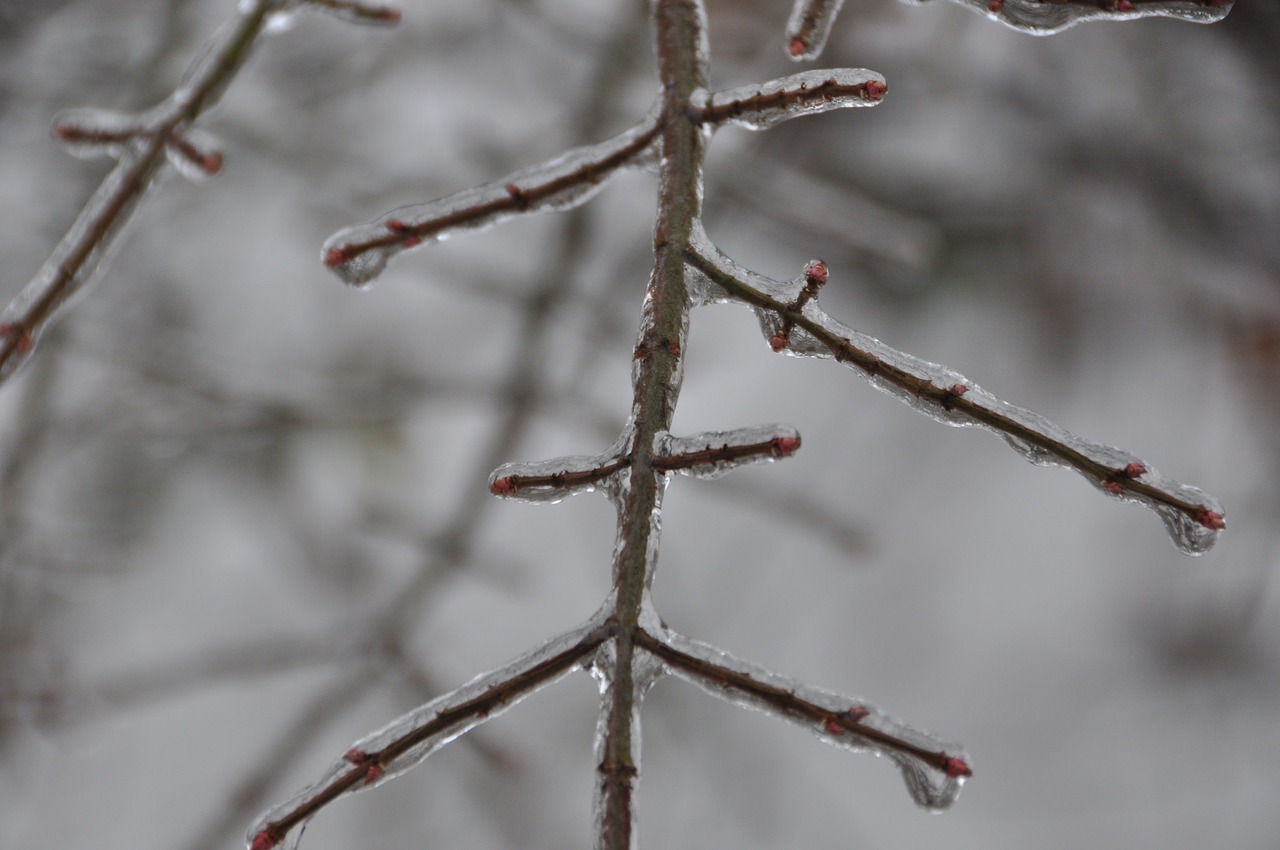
(995, 6)
(876, 90)
(956, 768)
(335, 257)
(1210, 519)
(797, 47)
(264, 840)
(504, 486)
(778, 341)
(816, 270)
(785, 446)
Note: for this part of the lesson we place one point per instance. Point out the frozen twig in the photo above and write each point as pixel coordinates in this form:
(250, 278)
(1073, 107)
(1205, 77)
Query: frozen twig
(1045, 17)
(933, 769)
(1192, 517)
(411, 738)
(141, 144)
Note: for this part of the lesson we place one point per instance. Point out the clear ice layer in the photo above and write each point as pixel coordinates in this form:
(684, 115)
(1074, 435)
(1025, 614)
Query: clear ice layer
(1045, 17)
(407, 740)
(852, 724)
(1192, 517)
(759, 107)
(358, 254)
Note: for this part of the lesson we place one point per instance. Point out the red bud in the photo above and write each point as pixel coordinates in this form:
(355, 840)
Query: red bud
(263, 841)
(786, 446)
(1211, 519)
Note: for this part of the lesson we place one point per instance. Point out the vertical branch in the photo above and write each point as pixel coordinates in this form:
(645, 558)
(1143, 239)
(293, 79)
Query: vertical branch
(681, 37)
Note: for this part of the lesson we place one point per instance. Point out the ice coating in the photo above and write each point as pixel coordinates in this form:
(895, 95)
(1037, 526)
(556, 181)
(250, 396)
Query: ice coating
(809, 26)
(81, 252)
(933, 769)
(711, 454)
(358, 254)
(616, 782)
(551, 481)
(1045, 17)
(1192, 517)
(759, 107)
(407, 740)
(94, 133)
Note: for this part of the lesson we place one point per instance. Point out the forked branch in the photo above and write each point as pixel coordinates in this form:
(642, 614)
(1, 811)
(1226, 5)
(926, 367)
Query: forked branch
(141, 144)
(625, 646)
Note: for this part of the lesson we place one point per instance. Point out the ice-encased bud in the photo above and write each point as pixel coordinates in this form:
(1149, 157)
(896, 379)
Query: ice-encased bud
(809, 27)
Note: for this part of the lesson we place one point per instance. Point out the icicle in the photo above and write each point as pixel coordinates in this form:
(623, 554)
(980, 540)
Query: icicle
(1040, 17)
(759, 107)
(358, 254)
(933, 769)
(809, 27)
(713, 453)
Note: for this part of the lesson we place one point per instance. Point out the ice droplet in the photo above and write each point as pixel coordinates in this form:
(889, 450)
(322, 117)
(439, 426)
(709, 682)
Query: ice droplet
(359, 254)
(1039, 17)
(759, 107)
(933, 769)
(809, 26)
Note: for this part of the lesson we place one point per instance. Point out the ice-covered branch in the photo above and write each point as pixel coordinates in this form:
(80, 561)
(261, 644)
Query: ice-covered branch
(762, 106)
(406, 741)
(706, 455)
(1045, 17)
(933, 769)
(141, 145)
(1192, 517)
(359, 254)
